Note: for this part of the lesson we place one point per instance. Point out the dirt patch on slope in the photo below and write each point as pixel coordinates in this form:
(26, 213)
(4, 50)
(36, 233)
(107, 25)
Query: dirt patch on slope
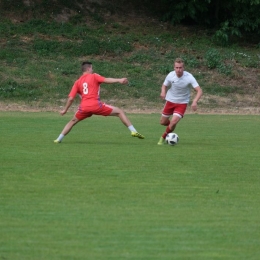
(133, 107)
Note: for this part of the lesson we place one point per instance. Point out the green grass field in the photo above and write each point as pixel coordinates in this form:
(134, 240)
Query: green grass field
(102, 194)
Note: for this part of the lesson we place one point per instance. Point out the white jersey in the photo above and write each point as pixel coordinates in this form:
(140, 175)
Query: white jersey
(179, 88)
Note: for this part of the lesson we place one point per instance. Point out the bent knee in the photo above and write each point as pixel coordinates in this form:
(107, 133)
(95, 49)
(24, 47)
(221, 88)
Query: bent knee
(164, 121)
(74, 121)
(117, 112)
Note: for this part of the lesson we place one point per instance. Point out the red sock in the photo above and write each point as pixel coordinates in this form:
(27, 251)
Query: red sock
(167, 131)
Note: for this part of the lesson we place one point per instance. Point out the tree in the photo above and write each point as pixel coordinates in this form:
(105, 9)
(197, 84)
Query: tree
(234, 17)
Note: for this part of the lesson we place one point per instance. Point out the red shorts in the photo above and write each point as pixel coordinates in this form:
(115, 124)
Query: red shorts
(174, 108)
(101, 109)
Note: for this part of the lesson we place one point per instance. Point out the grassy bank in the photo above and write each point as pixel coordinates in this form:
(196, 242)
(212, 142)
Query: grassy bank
(41, 60)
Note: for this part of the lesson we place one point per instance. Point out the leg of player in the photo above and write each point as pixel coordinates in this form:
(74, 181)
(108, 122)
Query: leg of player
(171, 125)
(124, 119)
(67, 129)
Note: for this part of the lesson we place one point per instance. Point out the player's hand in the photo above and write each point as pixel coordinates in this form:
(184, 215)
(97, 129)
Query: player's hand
(194, 106)
(163, 95)
(63, 112)
(124, 81)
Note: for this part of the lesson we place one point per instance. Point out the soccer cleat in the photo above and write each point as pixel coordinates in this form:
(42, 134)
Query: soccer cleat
(161, 141)
(136, 134)
(57, 141)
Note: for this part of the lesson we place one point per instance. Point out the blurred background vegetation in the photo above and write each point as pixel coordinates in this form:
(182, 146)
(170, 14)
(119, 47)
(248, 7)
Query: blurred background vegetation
(43, 43)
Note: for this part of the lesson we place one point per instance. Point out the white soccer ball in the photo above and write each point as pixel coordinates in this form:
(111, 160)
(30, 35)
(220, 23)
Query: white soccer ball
(172, 139)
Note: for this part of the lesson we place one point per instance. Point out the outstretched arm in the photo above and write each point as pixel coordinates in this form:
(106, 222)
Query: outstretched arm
(113, 80)
(196, 98)
(68, 104)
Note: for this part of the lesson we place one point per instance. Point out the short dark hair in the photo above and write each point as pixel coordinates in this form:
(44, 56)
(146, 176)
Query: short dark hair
(85, 65)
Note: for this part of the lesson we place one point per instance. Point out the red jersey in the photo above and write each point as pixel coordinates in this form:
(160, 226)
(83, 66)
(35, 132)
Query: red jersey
(88, 87)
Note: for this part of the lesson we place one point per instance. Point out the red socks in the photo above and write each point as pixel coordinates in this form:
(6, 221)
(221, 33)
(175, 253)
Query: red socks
(168, 130)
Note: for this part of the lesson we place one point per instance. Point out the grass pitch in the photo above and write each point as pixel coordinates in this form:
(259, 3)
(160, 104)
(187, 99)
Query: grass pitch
(102, 194)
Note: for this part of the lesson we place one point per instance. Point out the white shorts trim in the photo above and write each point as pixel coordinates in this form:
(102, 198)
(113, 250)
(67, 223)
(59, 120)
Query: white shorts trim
(178, 115)
(175, 114)
(165, 115)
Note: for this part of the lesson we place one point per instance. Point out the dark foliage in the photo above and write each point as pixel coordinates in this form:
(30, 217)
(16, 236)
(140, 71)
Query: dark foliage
(228, 19)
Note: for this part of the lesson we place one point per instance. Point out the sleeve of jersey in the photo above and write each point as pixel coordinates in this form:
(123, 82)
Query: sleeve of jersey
(74, 90)
(194, 82)
(99, 78)
(167, 81)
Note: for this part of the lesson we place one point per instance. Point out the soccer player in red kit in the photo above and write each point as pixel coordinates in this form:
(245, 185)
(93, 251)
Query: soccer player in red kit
(88, 88)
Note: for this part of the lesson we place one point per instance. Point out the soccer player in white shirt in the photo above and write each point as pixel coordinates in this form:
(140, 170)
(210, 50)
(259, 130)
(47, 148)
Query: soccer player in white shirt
(177, 97)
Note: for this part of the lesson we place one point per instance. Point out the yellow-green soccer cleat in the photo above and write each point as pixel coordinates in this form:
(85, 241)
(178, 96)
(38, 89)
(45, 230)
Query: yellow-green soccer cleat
(57, 141)
(161, 141)
(136, 134)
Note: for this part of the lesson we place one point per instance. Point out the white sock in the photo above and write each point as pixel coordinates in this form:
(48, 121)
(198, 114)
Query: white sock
(131, 128)
(61, 136)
